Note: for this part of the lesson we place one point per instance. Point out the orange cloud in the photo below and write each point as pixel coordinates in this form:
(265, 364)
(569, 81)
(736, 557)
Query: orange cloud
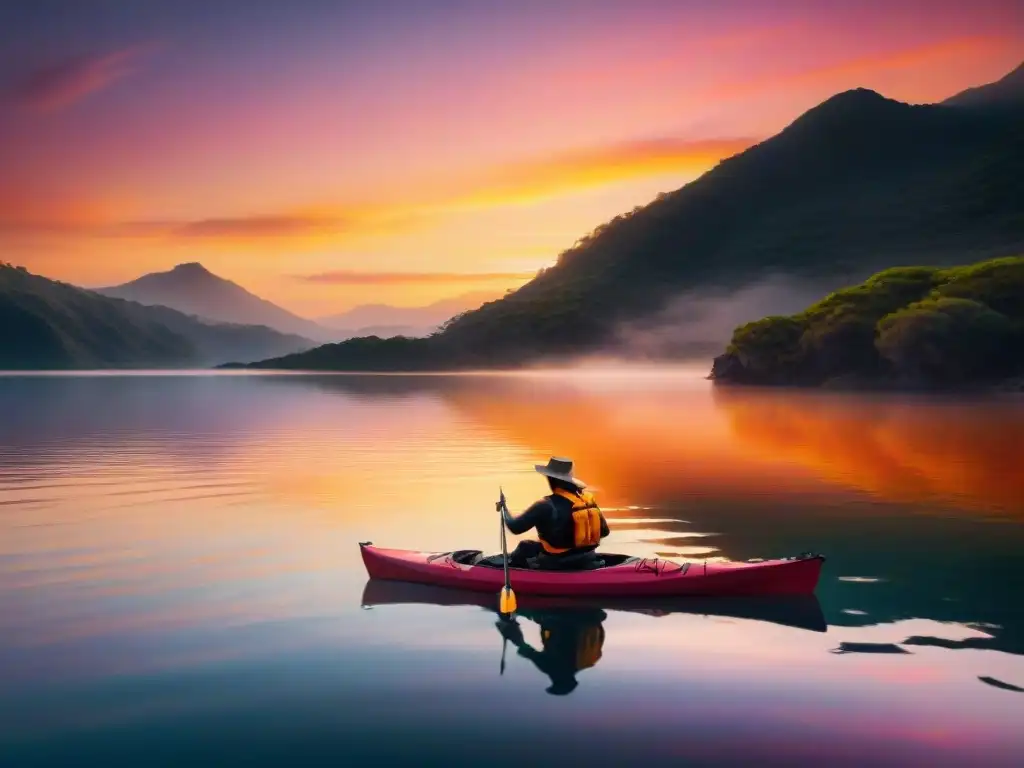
(41, 215)
(25, 210)
(258, 226)
(527, 181)
(347, 277)
(61, 84)
(575, 170)
(558, 174)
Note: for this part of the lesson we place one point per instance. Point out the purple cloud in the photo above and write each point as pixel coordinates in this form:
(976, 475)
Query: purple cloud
(63, 83)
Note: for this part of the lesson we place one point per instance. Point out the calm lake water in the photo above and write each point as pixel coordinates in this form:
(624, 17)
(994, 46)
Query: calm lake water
(180, 581)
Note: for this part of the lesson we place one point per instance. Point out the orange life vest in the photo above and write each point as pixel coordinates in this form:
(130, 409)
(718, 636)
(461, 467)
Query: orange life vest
(586, 521)
(589, 645)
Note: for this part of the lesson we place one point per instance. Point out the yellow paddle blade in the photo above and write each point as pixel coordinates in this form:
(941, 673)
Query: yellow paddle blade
(507, 604)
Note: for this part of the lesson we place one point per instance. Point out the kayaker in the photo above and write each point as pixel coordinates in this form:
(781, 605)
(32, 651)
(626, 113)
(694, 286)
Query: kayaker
(571, 641)
(568, 521)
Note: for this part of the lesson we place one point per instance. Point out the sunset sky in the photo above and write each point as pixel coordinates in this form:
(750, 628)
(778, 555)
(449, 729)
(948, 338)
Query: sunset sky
(327, 154)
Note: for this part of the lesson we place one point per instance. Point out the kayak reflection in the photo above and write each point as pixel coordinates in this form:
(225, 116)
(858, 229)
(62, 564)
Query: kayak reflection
(572, 633)
(798, 611)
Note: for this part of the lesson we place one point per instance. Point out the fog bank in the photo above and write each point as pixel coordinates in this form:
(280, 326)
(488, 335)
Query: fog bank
(698, 324)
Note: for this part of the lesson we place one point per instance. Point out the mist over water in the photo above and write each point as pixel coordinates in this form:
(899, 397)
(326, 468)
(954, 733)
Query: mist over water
(698, 324)
(180, 580)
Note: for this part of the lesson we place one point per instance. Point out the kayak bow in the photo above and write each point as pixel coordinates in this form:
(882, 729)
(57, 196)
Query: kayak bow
(622, 575)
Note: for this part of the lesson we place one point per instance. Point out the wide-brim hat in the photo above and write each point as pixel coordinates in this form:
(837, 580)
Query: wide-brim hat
(560, 469)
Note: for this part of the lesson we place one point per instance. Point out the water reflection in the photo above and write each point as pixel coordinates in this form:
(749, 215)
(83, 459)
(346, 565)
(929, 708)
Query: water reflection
(572, 632)
(572, 640)
(883, 648)
(178, 558)
(909, 449)
(642, 443)
(638, 444)
(796, 611)
(660, 439)
(1000, 684)
(687, 471)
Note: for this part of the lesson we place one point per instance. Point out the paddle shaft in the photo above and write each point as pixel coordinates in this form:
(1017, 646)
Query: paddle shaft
(507, 600)
(504, 544)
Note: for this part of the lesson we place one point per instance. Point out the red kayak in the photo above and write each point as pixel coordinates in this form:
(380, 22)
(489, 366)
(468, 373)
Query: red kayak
(621, 576)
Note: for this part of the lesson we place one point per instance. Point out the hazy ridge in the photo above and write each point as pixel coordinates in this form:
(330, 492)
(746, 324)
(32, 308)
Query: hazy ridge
(53, 325)
(194, 290)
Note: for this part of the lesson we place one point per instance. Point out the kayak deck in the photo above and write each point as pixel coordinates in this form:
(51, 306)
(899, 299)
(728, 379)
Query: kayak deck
(622, 575)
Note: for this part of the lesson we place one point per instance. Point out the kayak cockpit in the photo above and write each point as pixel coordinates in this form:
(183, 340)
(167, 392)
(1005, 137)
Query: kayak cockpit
(476, 557)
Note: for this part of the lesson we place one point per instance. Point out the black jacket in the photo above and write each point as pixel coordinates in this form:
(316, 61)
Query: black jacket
(552, 517)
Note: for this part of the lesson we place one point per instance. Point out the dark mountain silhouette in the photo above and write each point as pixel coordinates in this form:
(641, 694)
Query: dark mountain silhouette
(387, 320)
(53, 325)
(855, 184)
(194, 290)
(1008, 91)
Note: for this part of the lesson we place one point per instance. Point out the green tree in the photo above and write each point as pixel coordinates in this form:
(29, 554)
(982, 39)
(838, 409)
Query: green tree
(947, 341)
(769, 349)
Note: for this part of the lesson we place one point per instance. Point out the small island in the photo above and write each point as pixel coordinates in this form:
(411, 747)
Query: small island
(904, 328)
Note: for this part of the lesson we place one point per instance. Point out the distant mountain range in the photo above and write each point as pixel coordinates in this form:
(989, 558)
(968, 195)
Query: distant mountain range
(858, 183)
(386, 320)
(52, 325)
(185, 317)
(194, 290)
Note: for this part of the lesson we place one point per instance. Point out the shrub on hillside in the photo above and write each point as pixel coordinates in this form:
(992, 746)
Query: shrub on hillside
(947, 341)
(944, 327)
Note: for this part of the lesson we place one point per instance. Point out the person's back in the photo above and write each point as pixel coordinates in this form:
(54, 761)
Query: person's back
(575, 525)
(569, 523)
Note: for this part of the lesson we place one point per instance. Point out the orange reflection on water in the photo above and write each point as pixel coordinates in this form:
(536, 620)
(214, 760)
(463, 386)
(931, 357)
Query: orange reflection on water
(634, 445)
(898, 448)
